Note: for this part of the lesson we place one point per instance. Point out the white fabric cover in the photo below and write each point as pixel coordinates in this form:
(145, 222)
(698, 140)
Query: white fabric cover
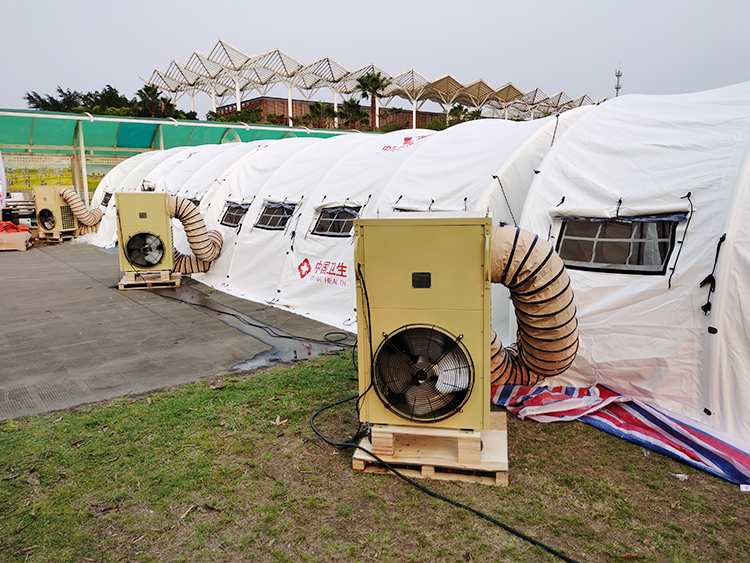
(242, 185)
(638, 335)
(258, 255)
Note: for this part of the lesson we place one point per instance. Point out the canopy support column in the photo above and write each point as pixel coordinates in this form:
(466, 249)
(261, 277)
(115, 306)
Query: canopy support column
(413, 114)
(289, 104)
(377, 114)
(238, 95)
(336, 109)
(213, 98)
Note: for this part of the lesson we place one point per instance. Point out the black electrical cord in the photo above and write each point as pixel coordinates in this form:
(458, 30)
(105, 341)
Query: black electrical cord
(367, 328)
(350, 444)
(329, 338)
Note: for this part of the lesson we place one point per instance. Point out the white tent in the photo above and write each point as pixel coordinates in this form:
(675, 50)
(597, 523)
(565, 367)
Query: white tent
(186, 172)
(483, 165)
(637, 197)
(636, 194)
(287, 184)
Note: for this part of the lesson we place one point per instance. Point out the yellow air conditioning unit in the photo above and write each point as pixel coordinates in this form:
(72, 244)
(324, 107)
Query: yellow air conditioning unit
(53, 214)
(144, 232)
(423, 316)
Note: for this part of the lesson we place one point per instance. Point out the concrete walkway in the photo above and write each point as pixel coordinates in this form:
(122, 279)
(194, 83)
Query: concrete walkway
(69, 337)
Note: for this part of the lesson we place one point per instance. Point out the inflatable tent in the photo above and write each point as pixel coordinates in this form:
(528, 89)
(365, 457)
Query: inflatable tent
(642, 196)
(646, 200)
(272, 200)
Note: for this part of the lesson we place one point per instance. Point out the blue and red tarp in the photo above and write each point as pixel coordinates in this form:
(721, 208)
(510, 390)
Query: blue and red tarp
(630, 419)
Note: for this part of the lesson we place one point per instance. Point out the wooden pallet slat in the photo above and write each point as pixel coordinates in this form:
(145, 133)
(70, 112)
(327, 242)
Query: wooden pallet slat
(149, 280)
(437, 453)
(56, 236)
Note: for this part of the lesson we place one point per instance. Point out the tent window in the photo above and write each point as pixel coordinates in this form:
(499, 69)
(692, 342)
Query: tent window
(638, 245)
(275, 216)
(106, 198)
(336, 221)
(233, 213)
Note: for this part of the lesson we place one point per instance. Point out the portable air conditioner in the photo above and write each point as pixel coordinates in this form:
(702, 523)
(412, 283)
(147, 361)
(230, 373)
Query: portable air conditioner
(423, 316)
(53, 214)
(144, 232)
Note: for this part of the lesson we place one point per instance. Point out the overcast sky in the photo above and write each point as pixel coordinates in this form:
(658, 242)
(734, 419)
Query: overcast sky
(662, 46)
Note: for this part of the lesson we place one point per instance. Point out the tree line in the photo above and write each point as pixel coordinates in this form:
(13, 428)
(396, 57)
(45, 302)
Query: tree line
(109, 101)
(149, 103)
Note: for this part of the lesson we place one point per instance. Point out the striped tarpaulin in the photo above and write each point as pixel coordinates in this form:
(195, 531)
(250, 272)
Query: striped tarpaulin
(630, 419)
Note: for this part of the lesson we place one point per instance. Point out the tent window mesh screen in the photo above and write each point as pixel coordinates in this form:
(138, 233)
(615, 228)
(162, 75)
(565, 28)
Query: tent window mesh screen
(233, 213)
(640, 245)
(336, 221)
(275, 216)
(106, 198)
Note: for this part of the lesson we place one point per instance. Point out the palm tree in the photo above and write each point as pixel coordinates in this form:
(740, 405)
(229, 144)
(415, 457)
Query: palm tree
(371, 86)
(154, 106)
(321, 114)
(352, 114)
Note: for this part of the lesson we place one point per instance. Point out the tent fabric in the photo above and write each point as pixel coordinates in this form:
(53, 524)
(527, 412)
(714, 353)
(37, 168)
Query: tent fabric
(652, 336)
(242, 186)
(632, 420)
(290, 182)
(483, 165)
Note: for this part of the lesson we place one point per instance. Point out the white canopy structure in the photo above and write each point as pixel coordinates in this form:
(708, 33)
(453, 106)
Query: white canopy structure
(227, 72)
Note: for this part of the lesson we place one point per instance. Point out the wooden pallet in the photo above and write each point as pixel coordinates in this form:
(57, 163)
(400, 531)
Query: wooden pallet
(437, 453)
(149, 280)
(56, 236)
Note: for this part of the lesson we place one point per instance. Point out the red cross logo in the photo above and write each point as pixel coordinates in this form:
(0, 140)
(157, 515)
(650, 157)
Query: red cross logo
(304, 268)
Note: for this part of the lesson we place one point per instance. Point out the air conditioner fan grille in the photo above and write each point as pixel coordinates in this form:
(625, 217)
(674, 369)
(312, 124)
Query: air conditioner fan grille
(423, 373)
(144, 250)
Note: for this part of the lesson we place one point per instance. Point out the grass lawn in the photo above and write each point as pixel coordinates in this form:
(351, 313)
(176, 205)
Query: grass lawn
(229, 470)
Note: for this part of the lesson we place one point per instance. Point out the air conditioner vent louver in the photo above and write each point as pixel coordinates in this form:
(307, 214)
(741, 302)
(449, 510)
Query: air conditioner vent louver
(67, 218)
(423, 373)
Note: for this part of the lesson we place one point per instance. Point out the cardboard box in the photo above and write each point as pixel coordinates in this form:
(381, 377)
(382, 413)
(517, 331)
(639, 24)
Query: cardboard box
(15, 241)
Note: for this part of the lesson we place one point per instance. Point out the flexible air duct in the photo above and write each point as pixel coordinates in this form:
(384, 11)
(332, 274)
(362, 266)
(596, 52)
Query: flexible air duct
(206, 245)
(547, 338)
(189, 264)
(89, 220)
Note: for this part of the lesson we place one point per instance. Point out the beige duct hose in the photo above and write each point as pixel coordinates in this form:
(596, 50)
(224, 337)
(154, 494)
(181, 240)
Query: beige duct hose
(206, 245)
(547, 338)
(89, 220)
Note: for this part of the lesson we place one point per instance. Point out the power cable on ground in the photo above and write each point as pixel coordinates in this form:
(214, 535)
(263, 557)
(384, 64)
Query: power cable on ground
(350, 444)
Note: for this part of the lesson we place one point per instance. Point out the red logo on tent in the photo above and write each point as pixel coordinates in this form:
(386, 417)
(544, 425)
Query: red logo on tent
(408, 142)
(304, 268)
